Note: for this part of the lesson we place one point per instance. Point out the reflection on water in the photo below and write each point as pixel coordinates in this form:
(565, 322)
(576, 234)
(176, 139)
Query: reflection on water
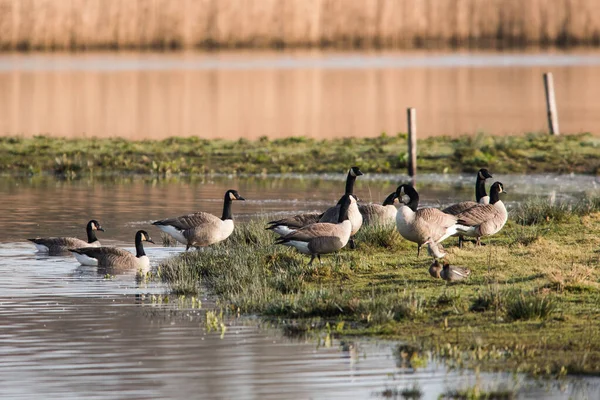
(68, 332)
(236, 95)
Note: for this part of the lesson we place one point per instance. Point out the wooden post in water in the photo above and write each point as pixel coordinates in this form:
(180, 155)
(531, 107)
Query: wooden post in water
(551, 104)
(411, 117)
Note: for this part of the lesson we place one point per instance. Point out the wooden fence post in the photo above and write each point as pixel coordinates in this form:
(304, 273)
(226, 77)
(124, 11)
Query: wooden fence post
(551, 104)
(411, 116)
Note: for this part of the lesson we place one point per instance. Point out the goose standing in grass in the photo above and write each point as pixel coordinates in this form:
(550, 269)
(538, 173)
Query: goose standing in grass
(484, 219)
(332, 214)
(61, 245)
(380, 214)
(287, 225)
(322, 237)
(421, 225)
(112, 257)
(480, 195)
(201, 229)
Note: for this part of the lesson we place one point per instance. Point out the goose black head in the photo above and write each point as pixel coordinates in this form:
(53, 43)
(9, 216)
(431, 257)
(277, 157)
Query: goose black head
(484, 174)
(355, 171)
(498, 187)
(233, 194)
(144, 236)
(95, 226)
(409, 191)
(390, 200)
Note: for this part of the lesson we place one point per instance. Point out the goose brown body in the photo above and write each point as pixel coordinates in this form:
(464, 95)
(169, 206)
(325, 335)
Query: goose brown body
(380, 214)
(61, 245)
(485, 219)
(480, 195)
(322, 237)
(201, 229)
(114, 257)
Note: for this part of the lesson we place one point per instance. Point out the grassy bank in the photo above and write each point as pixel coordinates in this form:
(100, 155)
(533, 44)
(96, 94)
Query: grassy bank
(176, 24)
(532, 302)
(384, 154)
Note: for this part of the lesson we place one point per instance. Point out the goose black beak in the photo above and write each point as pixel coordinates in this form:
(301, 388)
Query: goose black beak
(240, 198)
(150, 240)
(100, 229)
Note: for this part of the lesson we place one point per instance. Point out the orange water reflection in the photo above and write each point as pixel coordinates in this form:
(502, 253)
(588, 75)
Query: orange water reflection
(107, 97)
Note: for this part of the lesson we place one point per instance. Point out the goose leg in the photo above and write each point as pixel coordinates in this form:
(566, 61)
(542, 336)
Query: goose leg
(187, 247)
(352, 244)
(460, 242)
(319, 256)
(312, 258)
(418, 250)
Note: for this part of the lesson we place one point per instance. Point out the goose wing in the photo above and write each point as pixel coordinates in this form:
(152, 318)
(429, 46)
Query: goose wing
(478, 214)
(436, 217)
(54, 242)
(312, 231)
(372, 212)
(298, 220)
(205, 233)
(189, 221)
(107, 256)
(457, 208)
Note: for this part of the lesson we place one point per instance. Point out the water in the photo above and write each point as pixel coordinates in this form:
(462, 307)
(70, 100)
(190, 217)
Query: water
(281, 94)
(68, 332)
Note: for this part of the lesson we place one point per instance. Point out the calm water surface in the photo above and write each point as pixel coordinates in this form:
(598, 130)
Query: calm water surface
(67, 332)
(252, 94)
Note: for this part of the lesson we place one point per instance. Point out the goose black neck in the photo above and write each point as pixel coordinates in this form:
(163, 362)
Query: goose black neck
(480, 188)
(413, 204)
(227, 208)
(344, 205)
(494, 194)
(91, 234)
(139, 247)
(350, 183)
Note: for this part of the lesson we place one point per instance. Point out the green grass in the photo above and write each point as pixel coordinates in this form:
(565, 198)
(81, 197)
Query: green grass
(384, 154)
(529, 305)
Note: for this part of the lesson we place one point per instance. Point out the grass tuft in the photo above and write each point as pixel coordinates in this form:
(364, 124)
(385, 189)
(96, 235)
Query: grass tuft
(527, 306)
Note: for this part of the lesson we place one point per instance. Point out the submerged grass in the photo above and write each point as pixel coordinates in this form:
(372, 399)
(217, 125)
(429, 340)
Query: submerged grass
(529, 305)
(384, 154)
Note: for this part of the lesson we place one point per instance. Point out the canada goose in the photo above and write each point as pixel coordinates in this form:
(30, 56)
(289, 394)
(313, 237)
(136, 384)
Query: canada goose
(452, 273)
(484, 219)
(380, 214)
(287, 225)
(61, 245)
(322, 237)
(201, 229)
(110, 257)
(332, 214)
(480, 195)
(420, 225)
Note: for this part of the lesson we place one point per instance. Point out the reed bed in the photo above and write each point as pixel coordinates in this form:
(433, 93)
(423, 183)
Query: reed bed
(165, 24)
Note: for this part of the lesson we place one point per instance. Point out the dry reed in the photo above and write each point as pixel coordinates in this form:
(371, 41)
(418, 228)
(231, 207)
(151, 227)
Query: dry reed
(164, 24)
